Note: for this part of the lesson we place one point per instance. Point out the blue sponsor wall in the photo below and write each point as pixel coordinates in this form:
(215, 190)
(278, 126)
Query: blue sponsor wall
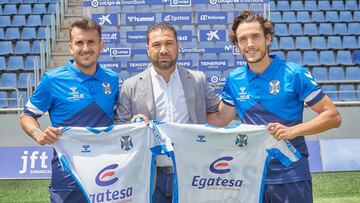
(28, 162)
(203, 27)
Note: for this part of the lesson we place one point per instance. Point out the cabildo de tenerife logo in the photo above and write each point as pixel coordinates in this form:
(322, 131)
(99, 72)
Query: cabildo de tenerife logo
(224, 181)
(105, 178)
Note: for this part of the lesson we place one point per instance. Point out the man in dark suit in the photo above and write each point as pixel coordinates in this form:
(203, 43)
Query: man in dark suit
(165, 92)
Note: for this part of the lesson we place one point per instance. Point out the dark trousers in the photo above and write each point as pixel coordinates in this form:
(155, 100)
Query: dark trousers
(297, 192)
(67, 197)
(164, 186)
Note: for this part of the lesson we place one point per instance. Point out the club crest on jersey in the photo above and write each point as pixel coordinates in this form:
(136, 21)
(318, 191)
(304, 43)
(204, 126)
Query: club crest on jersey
(126, 143)
(274, 87)
(106, 87)
(201, 138)
(241, 140)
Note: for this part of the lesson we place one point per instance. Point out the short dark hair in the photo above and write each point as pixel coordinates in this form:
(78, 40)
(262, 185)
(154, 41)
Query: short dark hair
(85, 24)
(160, 26)
(248, 16)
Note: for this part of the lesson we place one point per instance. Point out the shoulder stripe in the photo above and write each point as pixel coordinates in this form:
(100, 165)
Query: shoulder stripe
(316, 99)
(228, 102)
(31, 110)
(312, 95)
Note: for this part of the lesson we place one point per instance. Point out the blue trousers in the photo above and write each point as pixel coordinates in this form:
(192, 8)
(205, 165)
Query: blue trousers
(67, 197)
(297, 192)
(164, 187)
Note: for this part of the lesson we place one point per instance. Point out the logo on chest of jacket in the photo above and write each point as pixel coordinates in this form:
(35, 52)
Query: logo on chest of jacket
(274, 87)
(106, 87)
(75, 94)
(243, 95)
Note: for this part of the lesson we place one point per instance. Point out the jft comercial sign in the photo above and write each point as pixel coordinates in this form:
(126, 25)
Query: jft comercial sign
(31, 162)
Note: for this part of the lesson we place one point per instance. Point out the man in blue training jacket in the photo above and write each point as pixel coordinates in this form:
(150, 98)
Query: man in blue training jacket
(81, 93)
(272, 92)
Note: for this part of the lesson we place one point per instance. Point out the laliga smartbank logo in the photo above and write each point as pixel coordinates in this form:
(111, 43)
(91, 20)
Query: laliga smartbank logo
(224, 181)
(107, 177)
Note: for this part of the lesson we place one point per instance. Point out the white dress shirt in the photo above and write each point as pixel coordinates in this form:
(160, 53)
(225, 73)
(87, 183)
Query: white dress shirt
(170, 103)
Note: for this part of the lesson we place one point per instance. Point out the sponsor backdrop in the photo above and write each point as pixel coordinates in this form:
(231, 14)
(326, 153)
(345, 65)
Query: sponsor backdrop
(203, 27)
(26, 162)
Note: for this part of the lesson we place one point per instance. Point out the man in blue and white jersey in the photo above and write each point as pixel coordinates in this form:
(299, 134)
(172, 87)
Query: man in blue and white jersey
(270, 91)
(81, 93)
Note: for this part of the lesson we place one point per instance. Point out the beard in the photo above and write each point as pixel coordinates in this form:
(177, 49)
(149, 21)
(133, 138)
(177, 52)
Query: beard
(164, 66)
(87, 63)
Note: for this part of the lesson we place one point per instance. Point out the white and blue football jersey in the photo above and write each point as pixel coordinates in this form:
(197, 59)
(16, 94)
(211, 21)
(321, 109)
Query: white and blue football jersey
(276, 95)
(112, 164)
(73, 98)
(222, 164)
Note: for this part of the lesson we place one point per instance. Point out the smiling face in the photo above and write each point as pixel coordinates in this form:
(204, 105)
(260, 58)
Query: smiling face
(251, 42)
(85, 46)
(162, 49)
